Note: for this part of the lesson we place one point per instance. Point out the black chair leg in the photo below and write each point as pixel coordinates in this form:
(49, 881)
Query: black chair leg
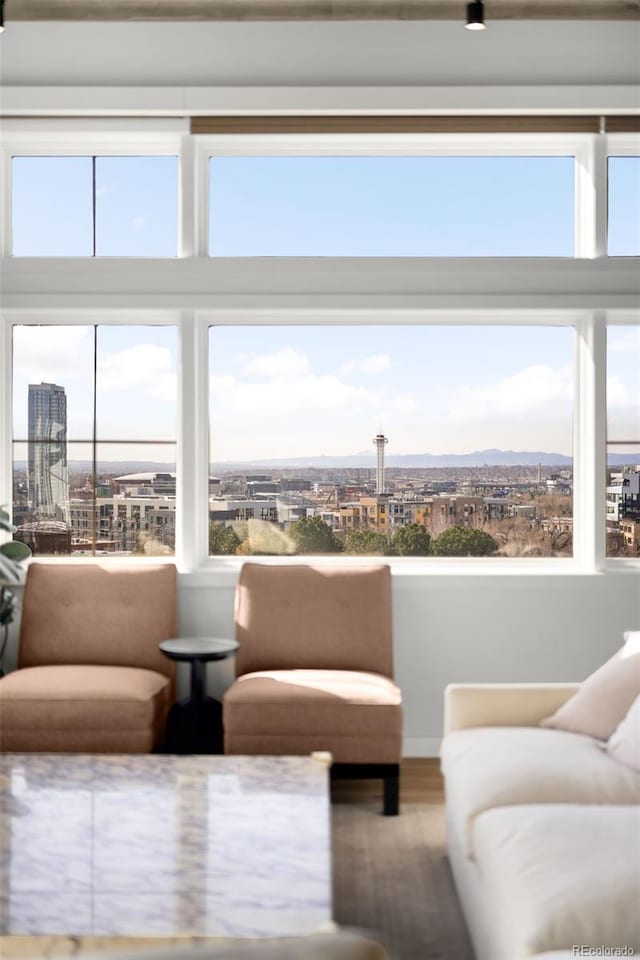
(391, 805)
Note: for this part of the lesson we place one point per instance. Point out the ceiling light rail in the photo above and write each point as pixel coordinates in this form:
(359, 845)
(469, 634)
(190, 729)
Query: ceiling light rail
(238, 10)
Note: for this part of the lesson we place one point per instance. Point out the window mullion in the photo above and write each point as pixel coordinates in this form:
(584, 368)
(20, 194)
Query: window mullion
(6, 380)
(187, 199)
(590, 459)
(591, 198)
(192, 454)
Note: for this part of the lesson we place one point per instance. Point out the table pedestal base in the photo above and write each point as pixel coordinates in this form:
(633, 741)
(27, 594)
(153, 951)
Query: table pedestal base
(194, 727)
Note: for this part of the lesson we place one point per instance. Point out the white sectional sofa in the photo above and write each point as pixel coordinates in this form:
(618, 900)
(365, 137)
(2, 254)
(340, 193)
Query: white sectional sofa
(543, 827)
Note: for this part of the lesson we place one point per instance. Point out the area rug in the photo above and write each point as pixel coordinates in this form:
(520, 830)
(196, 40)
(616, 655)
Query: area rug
(391, 876)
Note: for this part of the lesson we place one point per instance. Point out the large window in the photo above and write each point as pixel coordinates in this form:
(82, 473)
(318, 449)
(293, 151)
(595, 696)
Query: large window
(392, 206)
(94, 426)
(392, 440)
(364, 345)
(94, 206)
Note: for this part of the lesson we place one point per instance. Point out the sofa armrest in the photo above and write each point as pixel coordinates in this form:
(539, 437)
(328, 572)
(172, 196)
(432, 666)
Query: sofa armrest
(502, 704)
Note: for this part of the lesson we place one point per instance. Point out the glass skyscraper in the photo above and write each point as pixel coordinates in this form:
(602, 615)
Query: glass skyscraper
(48, 468)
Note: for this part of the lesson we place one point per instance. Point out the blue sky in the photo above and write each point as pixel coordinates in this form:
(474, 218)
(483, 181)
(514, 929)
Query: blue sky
(392, 206)
(296, 391)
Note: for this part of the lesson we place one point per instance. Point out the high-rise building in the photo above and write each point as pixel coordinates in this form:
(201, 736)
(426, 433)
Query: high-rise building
(48, 483)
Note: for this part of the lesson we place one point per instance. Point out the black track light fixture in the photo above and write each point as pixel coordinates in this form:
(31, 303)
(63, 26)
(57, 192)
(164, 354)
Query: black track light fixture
(475, 16)
(1, 15)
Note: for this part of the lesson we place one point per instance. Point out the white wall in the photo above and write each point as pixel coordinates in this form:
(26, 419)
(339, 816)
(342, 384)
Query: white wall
(466, 628)
(307, 54)
(461, 628)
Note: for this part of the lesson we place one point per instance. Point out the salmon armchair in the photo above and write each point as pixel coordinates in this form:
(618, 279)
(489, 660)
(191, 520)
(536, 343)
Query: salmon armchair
(90, 676)
(314, 670)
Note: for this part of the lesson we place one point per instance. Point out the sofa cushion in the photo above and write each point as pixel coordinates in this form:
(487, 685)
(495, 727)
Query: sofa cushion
(561, 875)
(605, 697)
(489, 767)
(624, 743)
(82, 707)
(356, 716)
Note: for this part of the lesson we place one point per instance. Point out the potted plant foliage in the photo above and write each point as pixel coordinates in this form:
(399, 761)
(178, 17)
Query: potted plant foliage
(12, 555)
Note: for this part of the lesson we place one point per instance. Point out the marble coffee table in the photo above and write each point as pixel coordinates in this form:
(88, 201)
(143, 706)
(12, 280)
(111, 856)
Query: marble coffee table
(164, 846)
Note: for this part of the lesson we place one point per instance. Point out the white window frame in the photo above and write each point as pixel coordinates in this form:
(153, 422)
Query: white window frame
(98, 138)
(200, 291)
(589, 225)
(618, 145)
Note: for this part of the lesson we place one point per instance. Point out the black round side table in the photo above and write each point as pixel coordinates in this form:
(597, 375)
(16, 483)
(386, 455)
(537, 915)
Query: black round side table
(194, 724)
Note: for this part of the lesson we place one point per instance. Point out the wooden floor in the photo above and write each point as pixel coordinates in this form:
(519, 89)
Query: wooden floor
(420, 782)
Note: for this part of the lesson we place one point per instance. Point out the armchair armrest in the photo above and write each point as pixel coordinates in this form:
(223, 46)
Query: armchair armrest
(502, 704)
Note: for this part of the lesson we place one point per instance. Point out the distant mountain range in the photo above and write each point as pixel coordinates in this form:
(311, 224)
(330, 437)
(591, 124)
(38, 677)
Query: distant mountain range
(479, 458)
(363, 460)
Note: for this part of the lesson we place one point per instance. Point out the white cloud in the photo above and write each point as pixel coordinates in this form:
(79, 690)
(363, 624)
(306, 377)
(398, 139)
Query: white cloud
(617, 393)
(145, 367)
(623, 339)
(289, 395)
(287, 363)
(528, 391)
(405, 405)
(376, 363)
(52, 354)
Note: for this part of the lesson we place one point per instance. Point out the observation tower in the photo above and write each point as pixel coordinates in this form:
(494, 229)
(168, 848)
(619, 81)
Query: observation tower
(380, 442)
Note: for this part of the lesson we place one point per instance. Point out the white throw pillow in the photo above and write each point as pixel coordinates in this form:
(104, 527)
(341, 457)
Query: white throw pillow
(605, 697)
(624, 743)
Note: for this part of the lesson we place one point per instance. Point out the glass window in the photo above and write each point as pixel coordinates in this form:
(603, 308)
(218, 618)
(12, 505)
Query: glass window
(94, 206)
(624, 206)
(623, 441)
(94, 456)
(392, 206)
(136, 206)
(52, 207)
(415, 441)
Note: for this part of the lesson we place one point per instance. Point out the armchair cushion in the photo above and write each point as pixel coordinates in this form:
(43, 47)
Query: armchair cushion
(356, 716)
(93, 614)
(84, 708)
(318, 618)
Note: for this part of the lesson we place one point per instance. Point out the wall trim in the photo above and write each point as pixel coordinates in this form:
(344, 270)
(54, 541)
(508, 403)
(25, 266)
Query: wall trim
(421, 746)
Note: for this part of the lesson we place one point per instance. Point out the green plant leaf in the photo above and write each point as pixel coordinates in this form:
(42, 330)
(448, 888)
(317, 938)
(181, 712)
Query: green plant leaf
(15, 550)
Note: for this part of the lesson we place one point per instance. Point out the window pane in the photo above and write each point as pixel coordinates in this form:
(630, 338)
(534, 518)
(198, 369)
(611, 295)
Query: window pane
(136, 203)
(624, 206)
(136, 206)
(136, 383)
(53, 361)
(392, 206)
(474, 427)
(52, 206)
(136, 499)
(45, 481)
(623, 441)
(80, 495)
